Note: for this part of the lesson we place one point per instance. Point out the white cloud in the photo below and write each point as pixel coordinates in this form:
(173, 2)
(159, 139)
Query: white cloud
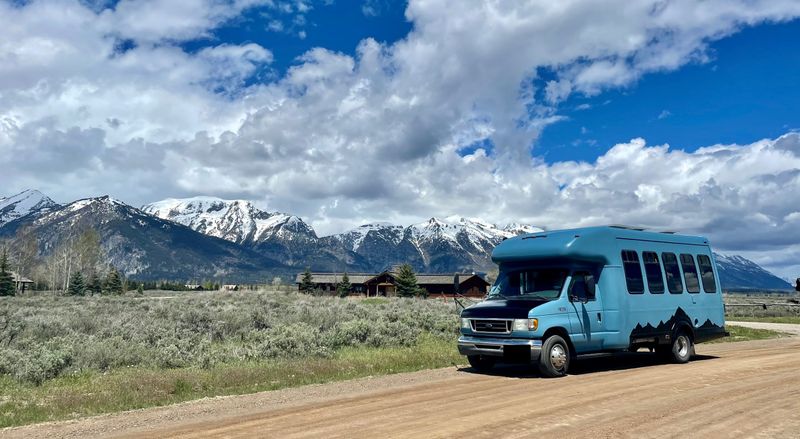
(108, 101)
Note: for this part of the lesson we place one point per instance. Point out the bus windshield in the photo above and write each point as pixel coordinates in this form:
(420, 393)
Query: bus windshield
(529, 283)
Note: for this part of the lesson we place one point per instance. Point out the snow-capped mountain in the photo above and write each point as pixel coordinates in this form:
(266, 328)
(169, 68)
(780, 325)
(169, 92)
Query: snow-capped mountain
(279, 236)
(144, 246)
(437, 245)
(238, 221)
(209, 238)
(738, 272)
(24, 203)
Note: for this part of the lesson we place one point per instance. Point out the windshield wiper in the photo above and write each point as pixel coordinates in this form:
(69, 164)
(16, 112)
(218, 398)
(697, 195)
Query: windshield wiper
(494, 295)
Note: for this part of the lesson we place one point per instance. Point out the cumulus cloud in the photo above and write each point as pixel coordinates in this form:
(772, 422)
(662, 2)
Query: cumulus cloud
(105, 99)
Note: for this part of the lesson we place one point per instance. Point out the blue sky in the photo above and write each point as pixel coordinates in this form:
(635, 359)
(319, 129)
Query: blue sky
(747, 89)
(350, 112)
(338, 26)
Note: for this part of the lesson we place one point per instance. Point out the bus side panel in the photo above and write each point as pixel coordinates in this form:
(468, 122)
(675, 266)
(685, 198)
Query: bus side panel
(654, 316)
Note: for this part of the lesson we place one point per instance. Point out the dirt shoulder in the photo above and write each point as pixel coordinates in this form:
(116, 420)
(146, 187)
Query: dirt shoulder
(788, 328)
(731, 389)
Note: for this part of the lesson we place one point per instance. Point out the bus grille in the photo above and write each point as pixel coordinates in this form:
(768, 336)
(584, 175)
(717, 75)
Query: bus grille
(492, 326)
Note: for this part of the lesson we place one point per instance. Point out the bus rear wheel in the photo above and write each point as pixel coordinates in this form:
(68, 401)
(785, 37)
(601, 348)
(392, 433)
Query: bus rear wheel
(554, 358)
(681, 349)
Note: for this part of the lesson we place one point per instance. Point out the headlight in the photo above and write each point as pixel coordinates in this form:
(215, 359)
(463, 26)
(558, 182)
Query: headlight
(526, 324)
(465, 324)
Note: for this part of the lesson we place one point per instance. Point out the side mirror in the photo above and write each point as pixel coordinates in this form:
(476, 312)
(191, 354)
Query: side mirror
(797, 284)
(591, 286)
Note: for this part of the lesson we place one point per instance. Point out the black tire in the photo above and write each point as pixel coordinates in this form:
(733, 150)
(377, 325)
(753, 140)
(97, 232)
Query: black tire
(481, 363)
(554, 358)
(682, 348)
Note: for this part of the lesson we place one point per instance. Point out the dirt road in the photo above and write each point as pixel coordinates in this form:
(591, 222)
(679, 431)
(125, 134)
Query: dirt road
(749, 389)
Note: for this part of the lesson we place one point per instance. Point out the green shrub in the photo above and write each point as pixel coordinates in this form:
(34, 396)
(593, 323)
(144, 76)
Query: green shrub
(40, 364)
(47, 336)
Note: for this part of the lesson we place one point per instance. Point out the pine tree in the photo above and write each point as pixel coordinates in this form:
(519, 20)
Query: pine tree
(343, 288)
(94, 287)
(7, 287)
(307, 282)
(113, 284)
(76, 285)
(407, 282)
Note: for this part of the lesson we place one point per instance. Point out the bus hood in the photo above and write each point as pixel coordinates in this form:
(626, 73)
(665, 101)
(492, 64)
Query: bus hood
(502, 309)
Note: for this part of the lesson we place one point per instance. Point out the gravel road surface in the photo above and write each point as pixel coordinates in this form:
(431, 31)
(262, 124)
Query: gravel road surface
(747, 389)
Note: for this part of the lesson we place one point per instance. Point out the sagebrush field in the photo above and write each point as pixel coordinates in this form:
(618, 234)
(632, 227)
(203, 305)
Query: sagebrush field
(44, 337)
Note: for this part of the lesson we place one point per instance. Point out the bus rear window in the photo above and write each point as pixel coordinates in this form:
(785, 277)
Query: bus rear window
(633, 272)
(652, 269)
(707, 274)
(690, 273)
(673, 272)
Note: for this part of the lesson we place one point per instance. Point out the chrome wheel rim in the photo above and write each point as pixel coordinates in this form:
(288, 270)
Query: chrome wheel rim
(683, 345)
(558, 356)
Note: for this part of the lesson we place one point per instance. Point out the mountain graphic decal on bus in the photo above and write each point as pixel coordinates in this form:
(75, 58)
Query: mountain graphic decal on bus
(664, 329)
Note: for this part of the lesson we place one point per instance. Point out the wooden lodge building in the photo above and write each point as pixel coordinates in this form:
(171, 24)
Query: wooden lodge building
(383, 284)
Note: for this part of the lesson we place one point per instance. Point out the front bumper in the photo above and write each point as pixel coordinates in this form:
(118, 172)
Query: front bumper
(508, 348)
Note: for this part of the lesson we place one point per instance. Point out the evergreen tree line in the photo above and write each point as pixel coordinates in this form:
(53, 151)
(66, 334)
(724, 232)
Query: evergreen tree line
(111, 284)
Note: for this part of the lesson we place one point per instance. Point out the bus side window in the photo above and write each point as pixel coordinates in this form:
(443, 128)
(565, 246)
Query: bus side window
(690, 273)
(578, 287)
(652, 269)
(673, 272)
(707, 274)
(633, 272)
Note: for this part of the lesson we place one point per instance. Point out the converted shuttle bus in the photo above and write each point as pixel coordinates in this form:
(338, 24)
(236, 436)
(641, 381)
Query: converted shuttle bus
(564, 293)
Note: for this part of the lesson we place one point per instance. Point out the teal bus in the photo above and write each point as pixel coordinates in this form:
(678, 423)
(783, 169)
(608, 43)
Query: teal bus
(564, 293)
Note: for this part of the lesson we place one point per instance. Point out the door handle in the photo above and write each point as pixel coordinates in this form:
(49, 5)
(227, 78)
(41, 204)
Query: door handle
(599, 317)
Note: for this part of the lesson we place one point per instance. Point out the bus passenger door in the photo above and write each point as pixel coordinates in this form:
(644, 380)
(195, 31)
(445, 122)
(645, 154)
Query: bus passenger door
(586, 312)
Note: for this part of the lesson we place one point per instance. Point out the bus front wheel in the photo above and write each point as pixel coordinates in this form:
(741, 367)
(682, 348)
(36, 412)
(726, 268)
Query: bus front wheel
(554, 359)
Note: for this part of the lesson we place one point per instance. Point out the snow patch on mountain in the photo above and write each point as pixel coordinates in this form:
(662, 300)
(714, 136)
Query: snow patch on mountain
(738, 272)
(239, 221)
(24, 203)
(352, 239)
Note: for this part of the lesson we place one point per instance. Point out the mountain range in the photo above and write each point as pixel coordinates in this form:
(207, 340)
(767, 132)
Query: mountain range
(212, 238)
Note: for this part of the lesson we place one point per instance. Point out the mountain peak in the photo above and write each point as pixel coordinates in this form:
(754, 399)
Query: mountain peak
(24, 203)
(239, 221)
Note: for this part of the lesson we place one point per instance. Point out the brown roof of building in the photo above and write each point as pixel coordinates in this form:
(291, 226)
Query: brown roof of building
(446, 279)
(332, 278)
(362, 278)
